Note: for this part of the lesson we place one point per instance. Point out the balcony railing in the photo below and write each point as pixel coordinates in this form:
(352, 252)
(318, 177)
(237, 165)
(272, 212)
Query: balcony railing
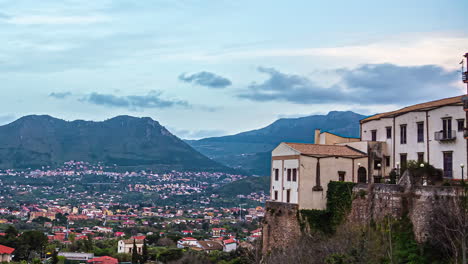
(445, 135)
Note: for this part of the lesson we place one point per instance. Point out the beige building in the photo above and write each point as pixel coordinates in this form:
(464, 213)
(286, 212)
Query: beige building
(126, 246)
(301, 172)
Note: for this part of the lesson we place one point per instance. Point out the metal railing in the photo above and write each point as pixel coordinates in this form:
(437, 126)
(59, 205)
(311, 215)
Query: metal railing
(445, 135)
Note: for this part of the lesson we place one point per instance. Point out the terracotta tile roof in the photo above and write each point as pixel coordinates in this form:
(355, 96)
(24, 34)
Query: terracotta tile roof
(418, 107)
(325, 150)
(6, 250)
(210, 245)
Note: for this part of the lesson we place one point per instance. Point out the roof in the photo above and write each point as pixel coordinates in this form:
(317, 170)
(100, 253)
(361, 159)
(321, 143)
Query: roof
(104, 259)
(6, 250)
(229, 241)
(210, 245)
(188, 239)
(326, 150)
(130, 241)
(457, 100)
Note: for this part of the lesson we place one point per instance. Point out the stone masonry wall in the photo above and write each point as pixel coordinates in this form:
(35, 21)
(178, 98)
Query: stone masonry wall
(375, 201)
(281, 226)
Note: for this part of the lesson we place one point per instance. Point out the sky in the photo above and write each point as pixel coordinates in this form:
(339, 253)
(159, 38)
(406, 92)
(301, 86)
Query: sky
(211, 68)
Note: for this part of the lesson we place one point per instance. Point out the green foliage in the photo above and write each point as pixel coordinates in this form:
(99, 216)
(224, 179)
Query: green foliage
(170, 254)
(339, 200)
(420, 170)
(135, 256)
(316, 220)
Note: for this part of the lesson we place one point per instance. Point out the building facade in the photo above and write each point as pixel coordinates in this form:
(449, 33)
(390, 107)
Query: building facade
(301, 172)
(126, 246)
(431, 132)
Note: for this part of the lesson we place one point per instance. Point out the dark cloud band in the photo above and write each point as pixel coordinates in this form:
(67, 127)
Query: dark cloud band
(206, 79)
(368, 84)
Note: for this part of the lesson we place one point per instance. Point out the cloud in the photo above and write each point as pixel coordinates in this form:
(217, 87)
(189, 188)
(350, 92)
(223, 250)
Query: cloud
(366, 84)
(57, 20)
(207, 79)
(133, 102)
(197, 134)
(60, 95)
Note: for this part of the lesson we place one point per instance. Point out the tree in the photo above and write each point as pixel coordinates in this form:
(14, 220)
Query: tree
(54, 259)
(11, 232)
(451, 225)
(135, 256)
(144, 253)
(88, 243)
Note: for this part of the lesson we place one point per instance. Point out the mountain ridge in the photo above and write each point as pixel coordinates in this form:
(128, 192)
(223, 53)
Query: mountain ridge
(251, 150)
(38, 140)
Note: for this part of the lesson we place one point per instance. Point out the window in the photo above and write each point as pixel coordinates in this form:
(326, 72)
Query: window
(460, 125)
(448, 164)
(387, 161)
(447, 128)
(276, 174)
(403, 161)
(288, 195)
(276, 195)
(377, 164)
(420, 157)
(294, 175)
(374, 135)
(420, 126)
(289, 175)
(341, 176)
(403, 134)
(389, 132)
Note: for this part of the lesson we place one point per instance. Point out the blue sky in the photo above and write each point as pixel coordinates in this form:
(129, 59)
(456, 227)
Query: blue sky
(208, 68)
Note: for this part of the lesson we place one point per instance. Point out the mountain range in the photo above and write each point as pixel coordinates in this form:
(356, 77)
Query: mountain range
(251, 150)
(38, 140)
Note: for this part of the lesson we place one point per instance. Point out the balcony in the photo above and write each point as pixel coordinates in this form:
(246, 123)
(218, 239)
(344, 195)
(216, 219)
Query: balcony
(465, 77)
(444, 136)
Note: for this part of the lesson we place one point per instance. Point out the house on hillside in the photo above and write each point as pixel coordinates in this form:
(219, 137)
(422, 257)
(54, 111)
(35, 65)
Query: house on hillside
(6, 253)
(229, 245)
(126, 246)
(103, 260)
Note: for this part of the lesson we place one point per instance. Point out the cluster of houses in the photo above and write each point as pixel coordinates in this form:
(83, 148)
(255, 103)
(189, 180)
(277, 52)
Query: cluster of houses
(428, 133)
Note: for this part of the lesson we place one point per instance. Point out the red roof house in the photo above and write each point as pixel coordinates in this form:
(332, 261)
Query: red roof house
(103, 260)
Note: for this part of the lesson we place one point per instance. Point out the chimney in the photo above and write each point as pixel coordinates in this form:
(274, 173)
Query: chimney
(317, 136)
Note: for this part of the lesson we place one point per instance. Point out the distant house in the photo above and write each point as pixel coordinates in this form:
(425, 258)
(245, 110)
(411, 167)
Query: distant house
(103, 260)
(76, 256)
(5, 253)
(187, 242)
(126, 246)
(187, 232)
(210, 246)
(217, 232)
(229, 245)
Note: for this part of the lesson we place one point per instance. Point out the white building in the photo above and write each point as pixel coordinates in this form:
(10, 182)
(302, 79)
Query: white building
(431, 132)
(187, 242)
(126, 246)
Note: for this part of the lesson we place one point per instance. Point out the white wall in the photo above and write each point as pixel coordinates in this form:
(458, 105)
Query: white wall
(412, 147)
(282, 185)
